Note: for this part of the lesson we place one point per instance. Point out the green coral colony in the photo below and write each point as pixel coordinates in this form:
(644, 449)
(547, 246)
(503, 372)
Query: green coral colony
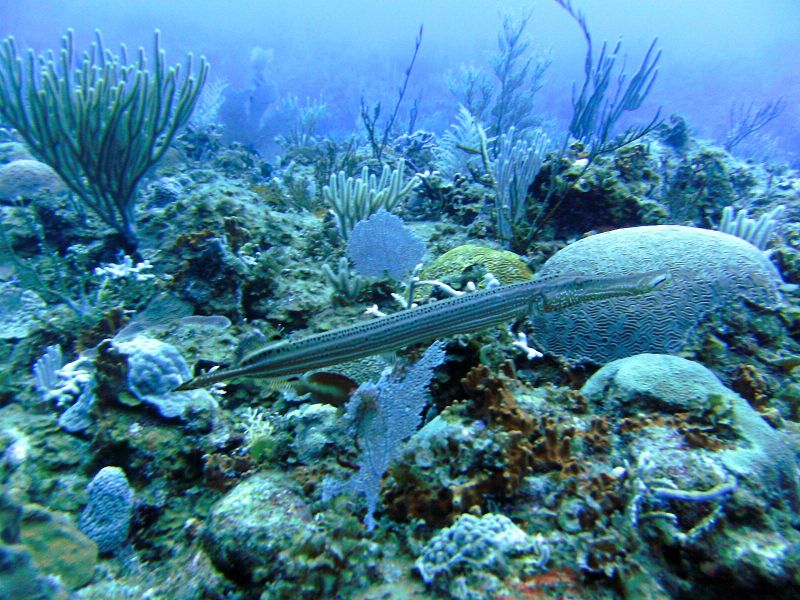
(502, 361)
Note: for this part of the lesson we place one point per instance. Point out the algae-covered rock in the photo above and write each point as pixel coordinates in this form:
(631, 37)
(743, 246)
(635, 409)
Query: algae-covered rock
(649, 384)
(22, 311)
(57, 546)
(609, 193)
(317, 428)
(10, 518)
(732, 501)
(13, 150)
(249, 527)
(21, 580)
(704, 182)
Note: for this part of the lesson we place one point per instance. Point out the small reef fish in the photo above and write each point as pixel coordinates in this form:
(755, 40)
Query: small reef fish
(467, 313)
(327, 387)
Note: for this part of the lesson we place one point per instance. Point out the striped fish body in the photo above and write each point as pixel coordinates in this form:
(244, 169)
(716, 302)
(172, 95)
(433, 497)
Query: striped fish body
(467, 313)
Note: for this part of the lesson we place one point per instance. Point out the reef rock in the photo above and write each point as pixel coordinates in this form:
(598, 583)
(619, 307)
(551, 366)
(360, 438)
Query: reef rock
(249, 527)
(653, 384)
(57, 546)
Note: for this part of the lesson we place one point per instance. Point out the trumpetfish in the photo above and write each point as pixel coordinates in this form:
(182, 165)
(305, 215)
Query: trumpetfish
(467, 313)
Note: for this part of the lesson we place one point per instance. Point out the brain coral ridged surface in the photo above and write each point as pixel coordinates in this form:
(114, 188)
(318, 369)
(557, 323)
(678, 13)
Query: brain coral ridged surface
(710, 271)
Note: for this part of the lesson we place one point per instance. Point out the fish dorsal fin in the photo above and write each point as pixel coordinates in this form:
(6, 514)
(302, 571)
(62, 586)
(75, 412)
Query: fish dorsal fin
(250, 344)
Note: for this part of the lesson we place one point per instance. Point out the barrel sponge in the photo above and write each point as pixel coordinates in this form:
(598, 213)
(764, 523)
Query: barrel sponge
(710, 272)
(107, 517)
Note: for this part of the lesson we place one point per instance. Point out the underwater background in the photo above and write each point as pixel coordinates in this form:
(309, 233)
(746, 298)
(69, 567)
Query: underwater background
(454, 299)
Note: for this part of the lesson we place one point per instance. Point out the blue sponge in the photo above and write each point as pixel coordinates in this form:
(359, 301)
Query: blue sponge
(107, 518)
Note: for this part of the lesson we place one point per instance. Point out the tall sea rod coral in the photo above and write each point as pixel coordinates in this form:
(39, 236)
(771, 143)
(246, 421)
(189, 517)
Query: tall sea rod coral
(100, 125)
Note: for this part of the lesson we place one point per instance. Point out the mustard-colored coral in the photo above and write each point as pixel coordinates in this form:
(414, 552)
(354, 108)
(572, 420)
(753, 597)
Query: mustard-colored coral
(506, 266)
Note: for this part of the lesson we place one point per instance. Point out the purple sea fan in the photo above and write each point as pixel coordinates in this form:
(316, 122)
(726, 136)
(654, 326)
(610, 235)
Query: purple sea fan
(382, 417)
(382, 245)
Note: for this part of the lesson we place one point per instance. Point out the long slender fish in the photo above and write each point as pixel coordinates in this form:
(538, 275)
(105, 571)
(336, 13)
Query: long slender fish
(467, 313)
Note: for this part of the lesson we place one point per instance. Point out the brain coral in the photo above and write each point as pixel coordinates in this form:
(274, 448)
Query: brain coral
(710, 271)
(506, 266)
(27, 179)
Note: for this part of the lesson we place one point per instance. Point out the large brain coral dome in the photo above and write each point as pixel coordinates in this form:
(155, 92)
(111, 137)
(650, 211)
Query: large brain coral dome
(710, 271)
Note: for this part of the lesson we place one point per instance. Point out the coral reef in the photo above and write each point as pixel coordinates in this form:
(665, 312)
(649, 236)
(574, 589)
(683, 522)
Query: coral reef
(640, 446)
